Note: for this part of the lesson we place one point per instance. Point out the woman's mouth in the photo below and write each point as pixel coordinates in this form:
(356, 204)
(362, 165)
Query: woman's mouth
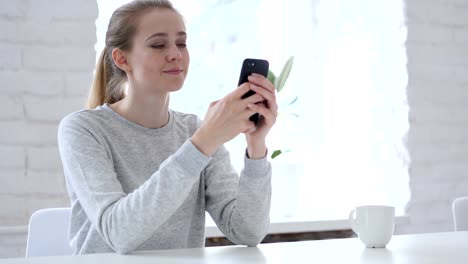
(174, 71)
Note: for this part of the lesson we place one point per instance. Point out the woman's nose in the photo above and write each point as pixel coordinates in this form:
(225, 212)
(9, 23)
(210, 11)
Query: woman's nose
(174, 53)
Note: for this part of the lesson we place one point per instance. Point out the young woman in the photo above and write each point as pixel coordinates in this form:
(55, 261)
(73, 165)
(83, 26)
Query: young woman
(140, 176)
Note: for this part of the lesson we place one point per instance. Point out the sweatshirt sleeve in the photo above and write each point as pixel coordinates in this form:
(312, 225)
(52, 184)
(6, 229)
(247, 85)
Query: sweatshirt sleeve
(123, 220)
(240, 206)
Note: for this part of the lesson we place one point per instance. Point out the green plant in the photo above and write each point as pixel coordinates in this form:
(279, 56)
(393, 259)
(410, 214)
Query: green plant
(279, 82)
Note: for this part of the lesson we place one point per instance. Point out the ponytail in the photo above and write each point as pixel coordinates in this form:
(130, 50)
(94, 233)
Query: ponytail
(108, 83)
(98, 90)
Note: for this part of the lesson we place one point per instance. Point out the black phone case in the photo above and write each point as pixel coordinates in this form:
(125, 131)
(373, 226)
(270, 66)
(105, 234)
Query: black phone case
(250, 66)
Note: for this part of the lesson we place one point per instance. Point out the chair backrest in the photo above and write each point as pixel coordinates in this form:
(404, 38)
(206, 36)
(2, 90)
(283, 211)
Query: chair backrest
(48, 233)
(460, 213)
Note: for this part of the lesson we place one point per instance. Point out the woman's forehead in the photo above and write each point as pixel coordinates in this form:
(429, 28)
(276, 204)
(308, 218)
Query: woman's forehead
(160, 20)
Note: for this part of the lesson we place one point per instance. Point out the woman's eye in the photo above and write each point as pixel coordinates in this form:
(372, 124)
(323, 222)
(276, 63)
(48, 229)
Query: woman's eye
(157, 46)
(182, 45)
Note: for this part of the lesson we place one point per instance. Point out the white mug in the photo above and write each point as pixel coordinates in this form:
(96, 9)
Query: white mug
(374, 224)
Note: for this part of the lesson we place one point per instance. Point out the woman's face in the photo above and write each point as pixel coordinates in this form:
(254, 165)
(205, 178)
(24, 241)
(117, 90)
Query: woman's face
(159, 58)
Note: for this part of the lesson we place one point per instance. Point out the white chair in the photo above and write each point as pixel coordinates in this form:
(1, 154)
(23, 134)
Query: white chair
(48, 233)
(460, 213)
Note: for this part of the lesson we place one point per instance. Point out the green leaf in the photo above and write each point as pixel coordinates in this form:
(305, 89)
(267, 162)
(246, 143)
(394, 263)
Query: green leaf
(293, 101)
(271, 76)
(275, 153)
(281, 79)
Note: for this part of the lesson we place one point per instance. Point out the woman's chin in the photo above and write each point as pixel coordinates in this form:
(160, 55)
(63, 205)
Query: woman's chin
(173, 83)
(174, 88)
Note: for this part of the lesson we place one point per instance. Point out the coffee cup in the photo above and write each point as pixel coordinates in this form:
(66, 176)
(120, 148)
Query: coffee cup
(374, 224)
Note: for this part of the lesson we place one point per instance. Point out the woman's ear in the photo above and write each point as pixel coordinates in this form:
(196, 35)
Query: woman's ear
(120, 59)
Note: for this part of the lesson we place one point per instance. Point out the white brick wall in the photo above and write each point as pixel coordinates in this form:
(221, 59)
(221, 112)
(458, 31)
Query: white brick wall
(438, 99)
(46, 66)
(10, 57)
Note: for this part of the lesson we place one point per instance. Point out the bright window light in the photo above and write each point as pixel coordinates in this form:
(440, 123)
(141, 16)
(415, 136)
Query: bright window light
(343, 139)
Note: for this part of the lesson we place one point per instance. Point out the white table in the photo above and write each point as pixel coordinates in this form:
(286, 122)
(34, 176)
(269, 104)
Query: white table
(441, 248)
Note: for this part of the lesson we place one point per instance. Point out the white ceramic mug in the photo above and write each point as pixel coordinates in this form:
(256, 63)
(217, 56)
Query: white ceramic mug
(374, 224)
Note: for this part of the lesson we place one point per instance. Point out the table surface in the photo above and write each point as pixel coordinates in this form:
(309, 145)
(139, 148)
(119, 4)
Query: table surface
(449, 247)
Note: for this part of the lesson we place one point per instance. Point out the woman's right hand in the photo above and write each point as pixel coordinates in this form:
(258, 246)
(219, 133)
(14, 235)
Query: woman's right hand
(225, 119)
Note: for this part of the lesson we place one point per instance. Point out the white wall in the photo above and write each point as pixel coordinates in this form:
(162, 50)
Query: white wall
(437, 50)
(46, 63)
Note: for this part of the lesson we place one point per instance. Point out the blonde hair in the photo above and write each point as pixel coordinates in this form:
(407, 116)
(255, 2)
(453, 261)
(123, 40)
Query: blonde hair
(109, 80)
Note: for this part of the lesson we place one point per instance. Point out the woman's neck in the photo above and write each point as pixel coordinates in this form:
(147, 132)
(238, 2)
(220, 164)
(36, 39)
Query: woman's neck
(147, 111)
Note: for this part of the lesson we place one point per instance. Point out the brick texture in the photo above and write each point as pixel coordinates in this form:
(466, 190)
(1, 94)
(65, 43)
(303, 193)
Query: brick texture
(437, 96)
(47, 60)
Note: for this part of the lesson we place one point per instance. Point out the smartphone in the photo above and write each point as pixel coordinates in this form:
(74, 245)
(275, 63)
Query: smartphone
(250, 66)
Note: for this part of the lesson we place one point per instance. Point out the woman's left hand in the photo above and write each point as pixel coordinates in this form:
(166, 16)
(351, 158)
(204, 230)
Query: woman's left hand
(268, 111)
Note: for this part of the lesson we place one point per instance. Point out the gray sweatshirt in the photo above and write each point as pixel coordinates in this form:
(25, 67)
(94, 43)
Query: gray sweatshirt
(134, 188)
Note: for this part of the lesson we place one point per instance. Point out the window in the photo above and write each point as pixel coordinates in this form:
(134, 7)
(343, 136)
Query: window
(344, 135)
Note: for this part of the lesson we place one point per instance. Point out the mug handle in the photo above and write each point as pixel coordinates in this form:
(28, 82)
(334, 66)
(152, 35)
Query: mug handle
(352, 221)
